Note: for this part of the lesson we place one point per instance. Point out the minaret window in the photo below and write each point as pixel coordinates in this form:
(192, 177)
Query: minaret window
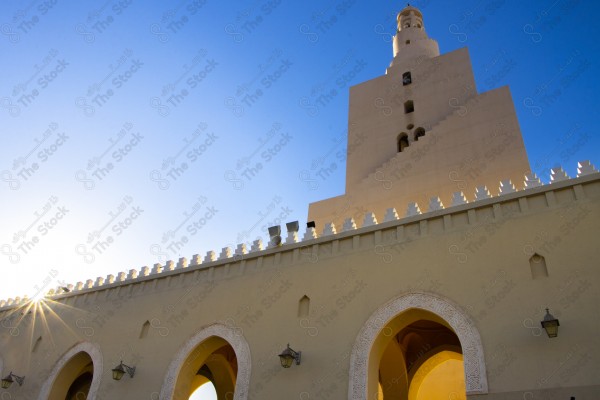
(409, 107)
(419, 132)
(402, 142)
(407, 42)
(406, 79)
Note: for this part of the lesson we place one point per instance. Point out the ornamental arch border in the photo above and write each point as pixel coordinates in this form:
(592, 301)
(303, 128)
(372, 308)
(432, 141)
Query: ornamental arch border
(92, 350)
(237, 342)
(459, 321)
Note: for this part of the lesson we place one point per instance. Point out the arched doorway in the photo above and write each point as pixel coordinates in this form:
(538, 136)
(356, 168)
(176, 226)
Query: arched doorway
(217, 354)
(76, 376)
(408, 348)
(416, 353)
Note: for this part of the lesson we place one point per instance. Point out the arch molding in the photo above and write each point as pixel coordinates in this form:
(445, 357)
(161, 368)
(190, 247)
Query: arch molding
(459, 321)
(237, 342)
(93, 350)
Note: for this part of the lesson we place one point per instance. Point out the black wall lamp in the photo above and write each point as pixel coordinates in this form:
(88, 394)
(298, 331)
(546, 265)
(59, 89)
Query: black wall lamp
(8, 380)
(119, 371)
(288, 356)
(550, 324)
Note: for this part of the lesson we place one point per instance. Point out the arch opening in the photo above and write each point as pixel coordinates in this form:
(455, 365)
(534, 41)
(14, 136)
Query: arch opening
(409, 354)
(419, 132)
(75, 379)
(407, 347)
(76, 375)
(304, 306)
(537, 264)
(145, 329)
(217, 355)
(402, 142)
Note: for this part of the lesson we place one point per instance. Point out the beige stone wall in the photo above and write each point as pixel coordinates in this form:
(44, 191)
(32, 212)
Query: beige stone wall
(475, 256)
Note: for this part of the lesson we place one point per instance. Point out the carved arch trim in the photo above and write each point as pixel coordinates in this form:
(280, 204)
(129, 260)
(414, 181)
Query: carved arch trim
(93, 350)
(459, 321)
(237, 342)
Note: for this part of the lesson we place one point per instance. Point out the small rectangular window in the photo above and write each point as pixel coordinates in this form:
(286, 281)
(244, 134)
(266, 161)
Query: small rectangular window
(406, 78)
(409, 107)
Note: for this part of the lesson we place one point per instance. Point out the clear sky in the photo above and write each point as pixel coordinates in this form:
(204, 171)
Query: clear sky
(136, 132)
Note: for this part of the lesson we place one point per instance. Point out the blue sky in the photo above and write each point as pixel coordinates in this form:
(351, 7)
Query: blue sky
(136, 132)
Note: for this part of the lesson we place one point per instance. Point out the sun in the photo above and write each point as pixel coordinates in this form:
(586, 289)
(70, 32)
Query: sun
(38, 297)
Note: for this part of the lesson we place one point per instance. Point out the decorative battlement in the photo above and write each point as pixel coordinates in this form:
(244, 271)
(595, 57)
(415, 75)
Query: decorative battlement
(413, 213)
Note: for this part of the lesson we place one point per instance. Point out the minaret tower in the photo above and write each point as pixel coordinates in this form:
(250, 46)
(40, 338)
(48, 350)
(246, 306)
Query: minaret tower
(411, 41)
(422, 133)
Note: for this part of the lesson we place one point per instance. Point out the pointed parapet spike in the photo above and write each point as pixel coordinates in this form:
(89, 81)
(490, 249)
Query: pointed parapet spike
(157, 269)
(458, 198)
(531, 180)
(170, 265)
(110, 278)
(311, 233)
(144, 271)
(585, 168)
(78, 286)
(257, 245)
(292, 237)
(89, 284)
(292, 232)
(99, 281)
(9, 301)
(482, 192)
(349, 225)
(329, 229)
(196, 259)
(240, 250)
(2, 303)
(210, 256)
(435, 203)
(133, 274)
(390, 215)
(369, 220)
(506, 187)
(121, 276)
(51, 292)
(413, 209)
(182, 263)
(558, 174)
(225, 253)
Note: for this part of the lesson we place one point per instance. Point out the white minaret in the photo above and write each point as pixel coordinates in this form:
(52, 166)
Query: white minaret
(411, 41)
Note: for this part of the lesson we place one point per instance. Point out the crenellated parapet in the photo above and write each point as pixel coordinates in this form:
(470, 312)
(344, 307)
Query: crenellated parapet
(559, 180)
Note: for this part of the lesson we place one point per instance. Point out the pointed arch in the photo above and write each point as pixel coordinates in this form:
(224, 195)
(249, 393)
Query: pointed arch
(304, 306)
(145, 329)
(93, 351)
(537, 265)
(402, 142)
(419, 132)
(36, 345)
(229, 334)
(457, 319)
